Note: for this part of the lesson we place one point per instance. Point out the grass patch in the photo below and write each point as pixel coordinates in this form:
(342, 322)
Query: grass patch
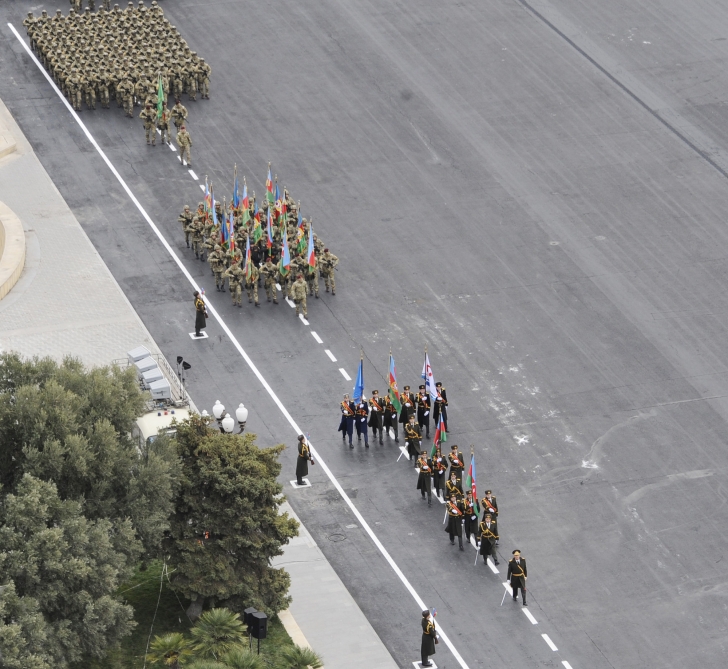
(142, 591)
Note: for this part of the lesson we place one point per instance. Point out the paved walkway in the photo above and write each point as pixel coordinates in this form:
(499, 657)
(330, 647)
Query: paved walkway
(68, 303)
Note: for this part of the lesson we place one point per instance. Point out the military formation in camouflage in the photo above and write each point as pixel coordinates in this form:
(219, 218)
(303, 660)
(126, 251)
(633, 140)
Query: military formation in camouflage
(222, 238)
(117, 54)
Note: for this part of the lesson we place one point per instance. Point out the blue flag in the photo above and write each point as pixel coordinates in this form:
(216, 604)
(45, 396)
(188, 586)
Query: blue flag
(236, 197)
(359, 385)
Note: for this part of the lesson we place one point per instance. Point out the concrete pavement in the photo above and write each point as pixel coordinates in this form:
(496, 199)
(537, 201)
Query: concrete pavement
(68, 303)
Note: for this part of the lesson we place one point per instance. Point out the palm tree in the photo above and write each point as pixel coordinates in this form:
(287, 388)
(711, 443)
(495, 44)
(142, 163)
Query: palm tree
(242, 658)
(206, 664)
(298, 657)
(169, 650)
(216, 632)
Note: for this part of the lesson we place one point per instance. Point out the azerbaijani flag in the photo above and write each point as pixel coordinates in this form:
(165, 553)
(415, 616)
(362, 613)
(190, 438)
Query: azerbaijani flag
(236, 199)
(160, 96)
(277, 196)
(285, 265)
(246, 204)
(269, 230)
(208, 197)
(224, 231)
(311, 254)
(470, 481)
(248, 263)
(393, 390)
(269, 188)
(212, 206)
(440, 435)
(257, 228)
(282, 215)
(231, 232)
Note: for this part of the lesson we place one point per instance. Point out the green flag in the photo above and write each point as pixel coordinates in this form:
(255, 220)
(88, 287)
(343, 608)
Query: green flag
(160, 96)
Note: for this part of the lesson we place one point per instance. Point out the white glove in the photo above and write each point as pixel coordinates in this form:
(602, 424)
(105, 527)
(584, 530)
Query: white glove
(427, 413)
(375, 409)
(362, 419)
(472, 517)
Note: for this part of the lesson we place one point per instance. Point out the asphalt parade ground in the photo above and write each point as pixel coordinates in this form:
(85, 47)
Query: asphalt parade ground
(537, 195)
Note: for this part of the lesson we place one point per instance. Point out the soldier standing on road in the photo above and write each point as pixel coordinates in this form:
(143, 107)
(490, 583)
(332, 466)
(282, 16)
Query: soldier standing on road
(423, 410)
(200, 314)
(490, 505)
(269, 271)
(251, 284)
(440, 405)
(390, 419)
(376, 415)
(217, 264)
(236, 274)
(149, 116)
(362, 413)
(328, 266)
(488, 537)
(471, 515)
(517, 574)
(429, 639)
(412, 439)
(455, 521)
(304, 457)
(179, 114)
(457, 464)
(408, 406)
(424, 480)
(185, 145)
(163, 124)
(298, 292)
(185, 218)
(453, 487)
(346, 425)
(439, 468)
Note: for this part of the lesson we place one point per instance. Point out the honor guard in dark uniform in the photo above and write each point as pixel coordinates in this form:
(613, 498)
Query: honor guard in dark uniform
(390, 418)
(439, 469)
(457, 463)
(376, 415)
(408, 405)
(304, 457)
(455, 520)
(517, 575)
(490, 505)
(440, 404)
(423, 410)
(488, 537)
(453, 487)
(412, 438)
(424, 480)
(346, 426)
(362, 414)
(471, 515)
(429, 639)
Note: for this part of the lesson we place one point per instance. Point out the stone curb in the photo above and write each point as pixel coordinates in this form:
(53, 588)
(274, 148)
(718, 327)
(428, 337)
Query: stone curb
(12, 246)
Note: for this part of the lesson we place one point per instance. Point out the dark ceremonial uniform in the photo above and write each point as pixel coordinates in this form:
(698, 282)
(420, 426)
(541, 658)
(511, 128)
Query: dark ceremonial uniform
(471, 517)
(376, 416)
(390, 418)
(440, 406)
(488, 537)
(424, 480)
(454, 489)
(439, 467)
(346, 426)
(362, 413)
(408, 406)
(429, 635)
(304, 455)
(517, 573)
(413, 440)
(423, 412)
(455, 522)
(457, 464)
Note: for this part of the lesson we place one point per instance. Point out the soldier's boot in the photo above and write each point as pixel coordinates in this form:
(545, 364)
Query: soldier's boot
(429, 499)
(524, 598)
(460, 541)
(275, 301)
(257, 304)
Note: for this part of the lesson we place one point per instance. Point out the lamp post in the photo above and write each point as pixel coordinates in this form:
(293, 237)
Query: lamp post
(225, 422)
(241, 413)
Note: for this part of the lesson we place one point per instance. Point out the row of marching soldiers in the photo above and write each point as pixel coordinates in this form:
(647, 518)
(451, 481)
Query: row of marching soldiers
(248, 245)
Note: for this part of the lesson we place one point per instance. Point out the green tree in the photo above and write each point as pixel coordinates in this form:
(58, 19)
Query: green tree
(23, 632)
(299, 657)
(66, 567)
(206, 664)
(217, 632)
(242, 658)
(226, 526)
(169, 650)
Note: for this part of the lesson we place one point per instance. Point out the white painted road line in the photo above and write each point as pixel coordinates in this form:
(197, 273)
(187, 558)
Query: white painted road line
(303, 320)
(193, 175)
(344, 374)
(243, 354)
(493, 568)
(179, 158)
(202, 186)
(332, 357)
(290, 304)
(550, 643)
(278, 286)
(529, 615)
(317, 338)
(566, 664)
(172, 146)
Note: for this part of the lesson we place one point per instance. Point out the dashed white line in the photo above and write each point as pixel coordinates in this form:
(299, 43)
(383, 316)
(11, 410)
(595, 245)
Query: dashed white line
(344, 374)
(290, 304)
(172, 146)
(193, 175)
(550, 643)
(179, 158)
(202, 186)
(316, 337)
(234, 341)
(303, 320)
(566, 664)
(332, 357)
(529, 615)
(278, 286)
(493, 568)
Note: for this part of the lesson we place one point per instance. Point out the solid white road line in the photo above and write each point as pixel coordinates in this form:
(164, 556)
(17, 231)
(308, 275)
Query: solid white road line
(332, 357)
(194, 176)
(316, 337)
(344, 374)
(233, 339)
(529, 615)
(550, 643)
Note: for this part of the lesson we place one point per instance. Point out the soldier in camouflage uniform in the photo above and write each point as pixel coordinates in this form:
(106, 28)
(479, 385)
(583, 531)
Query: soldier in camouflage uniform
(328, 263)
(251, 284)
(269, 271)
(163, 123)
(236, 274)
(149, 116)
(217, 264)
(185, 218)
(195, 230)
(298, 291)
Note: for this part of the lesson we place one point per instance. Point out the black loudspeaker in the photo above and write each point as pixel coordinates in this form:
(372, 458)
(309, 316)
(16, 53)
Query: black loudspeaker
(258, 625)
(246, 615)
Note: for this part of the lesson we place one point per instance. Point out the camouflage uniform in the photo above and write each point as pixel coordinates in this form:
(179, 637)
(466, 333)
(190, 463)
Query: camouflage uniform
(298, 291)
(185, 145)
(328, 262)
(185, 218)
(149, 116)
(217, 263)
(269, 272)
(251, 284)
(236, 275)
